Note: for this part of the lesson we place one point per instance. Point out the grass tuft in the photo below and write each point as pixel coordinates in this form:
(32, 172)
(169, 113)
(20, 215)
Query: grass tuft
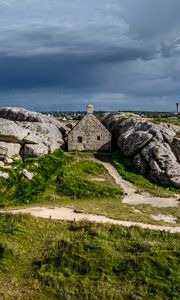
(69, 260)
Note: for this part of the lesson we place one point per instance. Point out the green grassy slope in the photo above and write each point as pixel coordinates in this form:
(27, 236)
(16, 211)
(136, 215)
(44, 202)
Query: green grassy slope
(45, 259)
(71, 179)
(169, 120)
(57, 174)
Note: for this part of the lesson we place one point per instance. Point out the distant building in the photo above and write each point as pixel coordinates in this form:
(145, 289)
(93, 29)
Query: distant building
(89, 134)
(177, 107)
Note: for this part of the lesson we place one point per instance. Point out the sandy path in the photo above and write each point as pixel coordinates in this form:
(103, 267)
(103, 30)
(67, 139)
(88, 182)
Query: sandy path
(64, 213)
(132, 197)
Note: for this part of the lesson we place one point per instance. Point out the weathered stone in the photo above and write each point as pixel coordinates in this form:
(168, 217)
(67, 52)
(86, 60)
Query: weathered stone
(1, 164)
(176, 147)
(158, 157)
(147, 151)
(4, 175)
(8, 161)
(133, 143)
(19, 126)
(10, 150)
(11, 132)
(45, 133)
(27, 174)
(157, 134)
(140, 164)
(164, 155)
(175, 181)
(31, 150)
(157, 174)
(168, 138)
(23, 115)
(32, 138)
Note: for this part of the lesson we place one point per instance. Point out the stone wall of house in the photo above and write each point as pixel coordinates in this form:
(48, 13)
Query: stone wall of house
(89, 134)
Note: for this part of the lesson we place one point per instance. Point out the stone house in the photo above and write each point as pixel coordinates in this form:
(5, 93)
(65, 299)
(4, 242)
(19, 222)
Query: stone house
(89, 134)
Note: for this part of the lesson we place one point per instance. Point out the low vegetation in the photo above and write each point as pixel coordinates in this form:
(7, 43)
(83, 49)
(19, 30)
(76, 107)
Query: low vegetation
(170, 120)
(60, 174)
(45, 259)
(74, 180)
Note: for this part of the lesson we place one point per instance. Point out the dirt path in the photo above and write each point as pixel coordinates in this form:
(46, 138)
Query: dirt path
(64, 213)
(132, 196)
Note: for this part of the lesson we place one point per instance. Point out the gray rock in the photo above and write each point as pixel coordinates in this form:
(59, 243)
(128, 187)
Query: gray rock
(175, 181)
(133, 143)
(1, 164)
(155, 149)
(168, 138)
(176, 147)
(21, 115)
(140, 164)
(9, 150)
(164, 155)
(31, 150)
(27, 174)
(45, 133)
(8, 161)
(157, 174)
(24, 128)
(11, 132)
(32, 138)
(4, 175)
(147, 151)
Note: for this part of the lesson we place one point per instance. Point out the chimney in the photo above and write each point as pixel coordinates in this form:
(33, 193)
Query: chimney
(89, 109)
(177, 105)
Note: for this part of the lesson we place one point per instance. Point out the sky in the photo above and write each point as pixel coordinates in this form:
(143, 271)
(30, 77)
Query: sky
(61, 55)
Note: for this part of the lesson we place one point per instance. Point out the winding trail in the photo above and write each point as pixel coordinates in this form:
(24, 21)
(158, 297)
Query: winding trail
(132, 197)
(64, 213)
(68, 214)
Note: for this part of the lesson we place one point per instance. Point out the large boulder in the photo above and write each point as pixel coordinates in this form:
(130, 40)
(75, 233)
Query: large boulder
(9, 150)
(155, 149)
(26, 134)
(11, 132)
(21, 114)
(137, 138)
(37, 150)
(44, 132)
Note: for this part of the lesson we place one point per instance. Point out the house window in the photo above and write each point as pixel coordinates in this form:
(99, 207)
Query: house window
(80, 139)
(98, 138)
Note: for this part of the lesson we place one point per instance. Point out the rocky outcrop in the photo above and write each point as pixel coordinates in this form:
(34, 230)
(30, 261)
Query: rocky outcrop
(28, 134)
(154, 149)
(37, 150)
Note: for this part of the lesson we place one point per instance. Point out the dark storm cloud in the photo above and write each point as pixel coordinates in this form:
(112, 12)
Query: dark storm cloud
(111, 52)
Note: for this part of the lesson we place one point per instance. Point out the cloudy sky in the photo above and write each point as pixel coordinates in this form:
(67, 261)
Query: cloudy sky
(116, 54)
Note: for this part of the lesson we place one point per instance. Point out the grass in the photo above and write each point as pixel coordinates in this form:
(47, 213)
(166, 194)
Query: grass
(69, 180)
(127, 170)
(45, 259)
(61, 174)
(170, 120)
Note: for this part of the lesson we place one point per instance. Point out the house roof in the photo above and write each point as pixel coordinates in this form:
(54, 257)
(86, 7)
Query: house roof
(95, 119)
